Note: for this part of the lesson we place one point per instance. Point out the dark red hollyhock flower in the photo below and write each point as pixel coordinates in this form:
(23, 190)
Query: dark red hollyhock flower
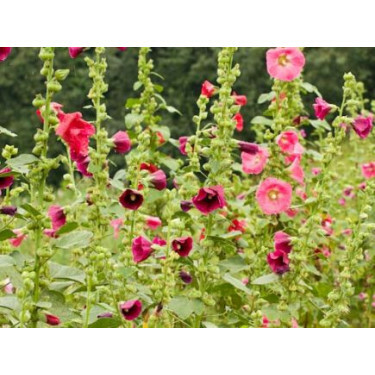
(250, 148)
(148, 167)
(122, 142)
(4, 53)
(208, 89)
(159, 241)
(6, 181)
(130, 310)
(76, 133)
(8, 210)
(278, 261)
(239, 121)
(131, 199)
(282, 242)
(56, 107)
(183, 141)
(186, 277)
(327, 225)
(141, 249)
(75, 51)
(161, 139)
(186, 206)
(52, 320)
(182, 246)
(209, 199)
(237, 225)
(239, 99)
(82, 163)
(158, 180)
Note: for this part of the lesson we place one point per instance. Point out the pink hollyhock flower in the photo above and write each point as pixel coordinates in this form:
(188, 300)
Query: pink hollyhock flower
(245, 281)
(237, 225)
(278, 261)
(254, 163)
(82, 163)
(362, 126)
(342, 202)
(58, 219)
(4, 53)
(75, 51)
(182, 246)
(116, 224)
(239, 99)
(158, 180)
(291, 212)
(16, 241)
(368, 170)
(141, 249)
(282, 242)
(294, 323)
(186, 277)
(153, 222)
(8, 287)
(55, 107)
(327, 225)
(362, 296)
(362, 186)
(285, 64)
(301, 193)
(8, 210)
(239, 121)
(208, 89)
(316, 171)
(183, 141)
(250, 148)
(131, 199)
(52, 320)
(265, 322)
(159, 241)
(348, 192)
(274, 196)
(288, 142)
(209, 199)
(122, 142)
(321, 108)
(130, 310)
(76, 133)
(347, 232)
(6, 181)
(296, 171)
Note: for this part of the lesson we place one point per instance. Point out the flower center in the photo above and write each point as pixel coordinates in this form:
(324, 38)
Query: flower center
(283, 60)
(178, 246)
(133, 197)
(273, 195)
(209, 197)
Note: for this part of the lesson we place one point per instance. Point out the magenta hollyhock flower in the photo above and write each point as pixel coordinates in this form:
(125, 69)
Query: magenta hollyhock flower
(76, 133)
(56, 107)
(6, 181)
(209, 199)
(8, 210)
(250, 148)
(208, 89)
(122, 48)
(186, 205)
(321, 108)
(52, 320)
(153, 222)
(274, 196)
(58, 219)
(182, 246)
(362, 186)
(296, 171)
(239, 121)
(82, 163)
(362, 126)
(282, 242)
(116, 224)
(294, 323)
(4, 53)
(182, 141)
(285, 64)
(239, 99)
(75, 51)
(316, 171)
(254, 163)
(130, 310)
(148, 167)
(278, 261)
(122, 142)
(158, 180)
(186, 277)
(141, 249)
(368, 170)
(288, 142)
(327, 225)
(159, 241)
(16, 241)
(131, 199)
(237, 225)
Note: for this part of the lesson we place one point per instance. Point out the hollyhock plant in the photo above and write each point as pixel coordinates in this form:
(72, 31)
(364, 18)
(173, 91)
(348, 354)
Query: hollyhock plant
(239, 99)
(237, 225)
(8, 210)
(153, 222)
(121, 142)
(75, 51)
(282, 242)
(5, 52)
(82, 163)
(239, 121)
(321, 108)
(116, 224)
(20, 236)
(148, 167)
(56, 107)
(159, 241)
(182, 141)
(278, 261)
(182, 246)
(296, 171)
(52, 320)
(141, 249)
(158, 180)
(285, 64)
(208, 89)
(289, 143)
(327, 225)
(209, 199)
(7, 180)
(131, 309)
(250, 148)
(58, 219)
(131, 199)
(254, 163)
(368, 170)
(274, 196)
(362, 126)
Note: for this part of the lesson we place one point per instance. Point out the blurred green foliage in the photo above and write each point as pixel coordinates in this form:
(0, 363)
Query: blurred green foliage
(183, 69)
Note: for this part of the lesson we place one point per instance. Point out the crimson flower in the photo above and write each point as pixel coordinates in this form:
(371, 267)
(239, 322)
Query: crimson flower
(131, 199)
(182, 246)
(209, 199)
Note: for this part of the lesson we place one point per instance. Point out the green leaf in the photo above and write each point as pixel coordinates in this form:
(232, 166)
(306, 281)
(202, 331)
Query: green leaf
(22, 162)
(131, 102)
(68, 227)
(261, 120)
(7, 132)
(222, 242)
(172, 164)
(159, 88)
(209, 325)
(30, 209)
(183, 307)
(137, 85)
(234, 264)
(310, 88)
(76, 239)
(236, 283)
(171, 109)
(9, 302)
(322, 124)
(6, 234)
(266, 279)
(157, 75)
(58, 271)
(266, 97)
(6, 261)
(231, 234)
(106, 323)
(132, 119)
